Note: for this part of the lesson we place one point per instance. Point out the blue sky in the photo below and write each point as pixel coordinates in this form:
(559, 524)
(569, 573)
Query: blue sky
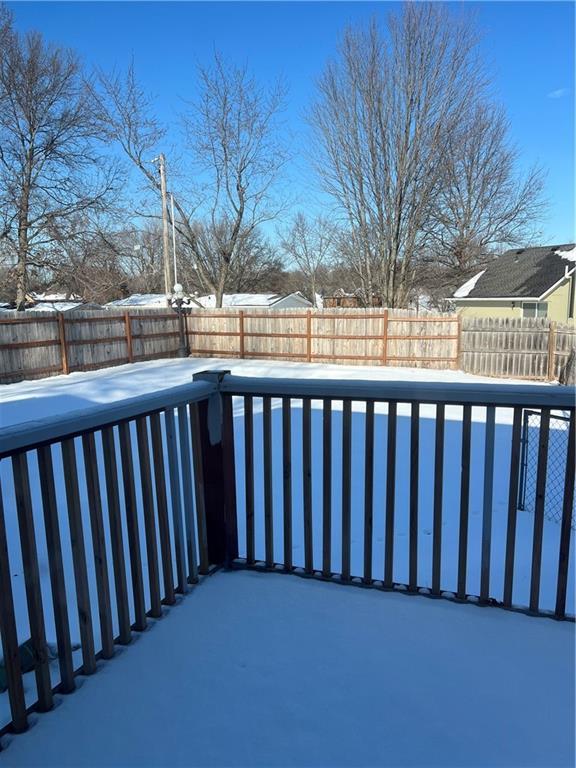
(529, 47)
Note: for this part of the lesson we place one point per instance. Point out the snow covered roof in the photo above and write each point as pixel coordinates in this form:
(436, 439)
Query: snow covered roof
(140, 300)
(251, 299)
(567, 255)
(62, 306)
(143, 300)
(55, 297)
(468, 286)
(521, 273)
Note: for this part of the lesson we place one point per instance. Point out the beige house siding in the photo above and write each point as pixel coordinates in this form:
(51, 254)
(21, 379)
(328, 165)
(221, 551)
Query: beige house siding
(558, 302)
(558, 305)
(488, 308)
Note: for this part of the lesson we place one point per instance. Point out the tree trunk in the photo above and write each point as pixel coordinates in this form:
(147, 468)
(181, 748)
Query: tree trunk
(22, 265)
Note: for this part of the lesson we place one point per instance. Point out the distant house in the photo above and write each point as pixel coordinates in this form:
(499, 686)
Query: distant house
(142, 301)
(257, 301)
(346, 300)
(525, 282)
(62, 306)
(57, 302)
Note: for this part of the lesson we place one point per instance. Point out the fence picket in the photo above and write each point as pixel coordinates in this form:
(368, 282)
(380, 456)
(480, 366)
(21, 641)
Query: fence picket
(390, 495)
(132, 526)
(326, 487)
(539, 509)
(98, 543)
(307, 485)
(346, 488)
(268, 499)
(414, 492)
(249, 477)
(287, 480)
(368, 491)
(464, 501)
(32, 579)
(438, 493)
(188, 494)
(162, 508)
(78, 556)
(118, 562)
(512, 506)
(567, 505)
(199, 491)
(9, 635)
(487, 503)
(148, 514)
(175, 497)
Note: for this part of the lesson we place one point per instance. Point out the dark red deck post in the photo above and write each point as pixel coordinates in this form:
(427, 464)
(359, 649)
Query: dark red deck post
(216, 427)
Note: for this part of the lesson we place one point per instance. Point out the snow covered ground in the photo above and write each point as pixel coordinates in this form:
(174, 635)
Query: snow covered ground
(266, 670)
(29, 401)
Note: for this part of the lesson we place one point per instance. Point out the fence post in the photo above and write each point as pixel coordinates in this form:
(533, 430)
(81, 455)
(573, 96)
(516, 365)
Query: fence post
(309, 335)
(63, 347)
(216, 428)
(187, 323)
(551, 350)
(241, 328)
(385, 339)
(459, 343)
(128, 326)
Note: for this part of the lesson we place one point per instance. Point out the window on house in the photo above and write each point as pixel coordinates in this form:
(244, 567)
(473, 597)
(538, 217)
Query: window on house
(534, 309)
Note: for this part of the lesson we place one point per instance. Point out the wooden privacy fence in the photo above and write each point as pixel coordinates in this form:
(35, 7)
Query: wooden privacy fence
(368, 336)
(39, 344)
(534, 348)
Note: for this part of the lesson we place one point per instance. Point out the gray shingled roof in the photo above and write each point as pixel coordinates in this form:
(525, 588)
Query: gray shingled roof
(522, 272)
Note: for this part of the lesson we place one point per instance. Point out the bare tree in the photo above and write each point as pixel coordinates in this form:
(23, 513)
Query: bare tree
(309, 245)
(50, 169)
(87, 263)
(385, 110)
(256, 265)
(233, 150)
(483, 203)
(143, 259)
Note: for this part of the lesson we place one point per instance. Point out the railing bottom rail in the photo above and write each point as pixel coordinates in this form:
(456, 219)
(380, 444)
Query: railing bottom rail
(241, 564)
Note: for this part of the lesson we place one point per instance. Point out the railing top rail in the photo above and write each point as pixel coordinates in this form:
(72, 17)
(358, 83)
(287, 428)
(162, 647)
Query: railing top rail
(457, 393)
(31, 434)
(34, 433)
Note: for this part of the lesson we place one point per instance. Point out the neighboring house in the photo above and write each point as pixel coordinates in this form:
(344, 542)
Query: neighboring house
(143, 301)
(348, 300)
(257, 301)
(524, 282)
(57, 302)
(62, 306)
(33, 297)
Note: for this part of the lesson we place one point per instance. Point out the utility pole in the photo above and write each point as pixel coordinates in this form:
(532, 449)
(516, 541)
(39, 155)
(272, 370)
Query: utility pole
(165, 235)
(174, 238)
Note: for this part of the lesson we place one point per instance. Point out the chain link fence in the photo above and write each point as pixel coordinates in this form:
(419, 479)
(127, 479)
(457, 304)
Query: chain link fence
(557, 450)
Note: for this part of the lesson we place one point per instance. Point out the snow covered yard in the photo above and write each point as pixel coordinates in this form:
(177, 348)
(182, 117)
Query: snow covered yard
(268, 670)
(29, 401)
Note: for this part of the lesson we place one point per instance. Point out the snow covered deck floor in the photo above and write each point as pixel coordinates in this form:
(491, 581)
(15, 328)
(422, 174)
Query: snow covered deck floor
(269, 670)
